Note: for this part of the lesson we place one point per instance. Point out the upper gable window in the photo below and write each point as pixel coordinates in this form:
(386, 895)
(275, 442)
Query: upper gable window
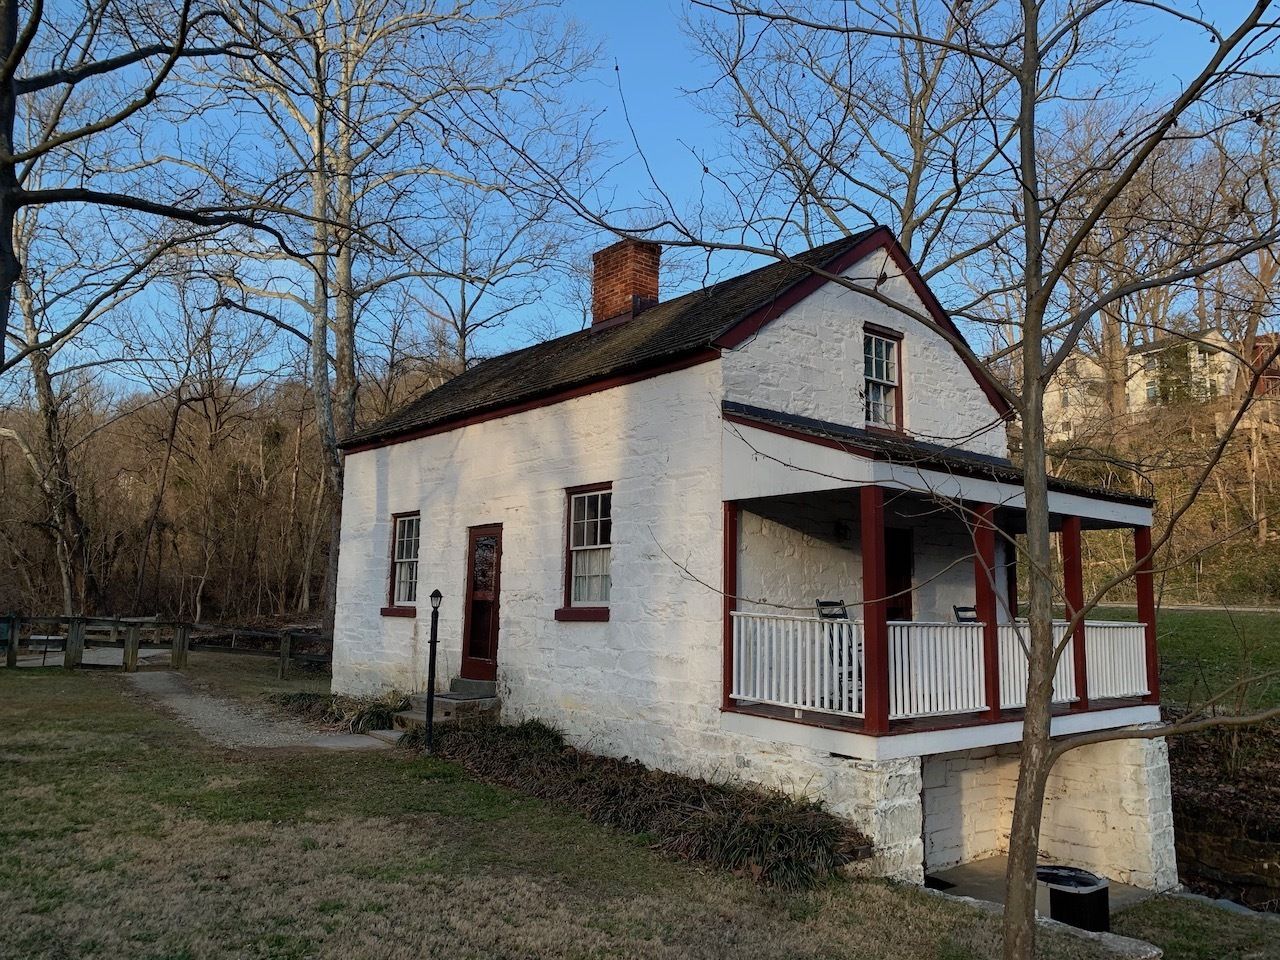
(881, 358)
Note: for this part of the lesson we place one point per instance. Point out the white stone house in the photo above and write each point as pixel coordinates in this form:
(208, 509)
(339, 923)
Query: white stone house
(632, 525)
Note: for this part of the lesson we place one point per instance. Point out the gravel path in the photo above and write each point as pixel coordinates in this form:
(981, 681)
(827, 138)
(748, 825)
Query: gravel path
(231, 725)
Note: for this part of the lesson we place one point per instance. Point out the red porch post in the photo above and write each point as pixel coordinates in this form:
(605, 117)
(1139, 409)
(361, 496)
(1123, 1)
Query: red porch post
(984, 571)
(1073, 587)
(730, 597)
(875, 627)
(1144, 580)
(1011, 574)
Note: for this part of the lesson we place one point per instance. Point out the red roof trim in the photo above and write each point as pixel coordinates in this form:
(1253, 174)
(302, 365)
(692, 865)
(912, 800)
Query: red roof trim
(877, 238)
(559, 396)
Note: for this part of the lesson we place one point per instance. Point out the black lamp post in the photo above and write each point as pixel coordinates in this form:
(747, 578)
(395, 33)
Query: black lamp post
(436, 597)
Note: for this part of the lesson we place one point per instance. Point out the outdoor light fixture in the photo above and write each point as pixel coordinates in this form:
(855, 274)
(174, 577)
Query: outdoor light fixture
(436, 597)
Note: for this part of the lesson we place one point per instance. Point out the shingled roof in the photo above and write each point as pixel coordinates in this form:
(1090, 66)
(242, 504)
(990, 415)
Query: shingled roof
(662, 334)
(897, 448)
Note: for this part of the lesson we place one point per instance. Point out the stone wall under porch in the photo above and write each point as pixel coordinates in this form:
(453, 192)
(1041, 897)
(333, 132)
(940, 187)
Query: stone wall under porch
(1108, 809)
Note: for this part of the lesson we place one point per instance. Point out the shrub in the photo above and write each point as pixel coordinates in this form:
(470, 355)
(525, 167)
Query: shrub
(767, 835)
(349, 714)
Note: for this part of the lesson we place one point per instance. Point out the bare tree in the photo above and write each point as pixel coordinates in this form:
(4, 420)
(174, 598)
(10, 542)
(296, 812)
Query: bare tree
(69, 77)
(363, 144)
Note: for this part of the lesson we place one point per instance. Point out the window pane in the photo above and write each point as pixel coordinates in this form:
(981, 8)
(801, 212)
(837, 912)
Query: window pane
(406, 581)
(591, 576)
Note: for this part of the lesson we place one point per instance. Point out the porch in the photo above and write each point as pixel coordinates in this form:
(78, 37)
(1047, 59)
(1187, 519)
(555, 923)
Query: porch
(924, 557)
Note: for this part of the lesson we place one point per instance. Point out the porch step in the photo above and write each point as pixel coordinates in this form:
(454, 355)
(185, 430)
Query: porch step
(473, 688)
(386, 736)
(449, 707)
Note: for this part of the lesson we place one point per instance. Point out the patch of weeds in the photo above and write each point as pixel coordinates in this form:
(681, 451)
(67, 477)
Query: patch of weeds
(401, 869)
(949, 949)
(281, 946)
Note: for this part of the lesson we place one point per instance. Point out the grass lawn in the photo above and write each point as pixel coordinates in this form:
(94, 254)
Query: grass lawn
(248, 678)
(1204, 651)
(125, 835)
(1191, 931)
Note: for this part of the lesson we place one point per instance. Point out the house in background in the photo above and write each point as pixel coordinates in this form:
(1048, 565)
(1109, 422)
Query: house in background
(1196, 367)
(632, 526)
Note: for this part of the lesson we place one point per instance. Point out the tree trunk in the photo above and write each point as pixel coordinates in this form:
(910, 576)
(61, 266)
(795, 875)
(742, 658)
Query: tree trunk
(1033, 770)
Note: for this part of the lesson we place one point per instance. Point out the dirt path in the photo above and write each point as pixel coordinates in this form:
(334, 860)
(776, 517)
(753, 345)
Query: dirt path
(231, 725)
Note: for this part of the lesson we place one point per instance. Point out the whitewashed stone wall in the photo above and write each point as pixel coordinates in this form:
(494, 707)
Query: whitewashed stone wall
(804, 549)
(968, 805)
(1107, 808)
(809, 362)
(794, 550)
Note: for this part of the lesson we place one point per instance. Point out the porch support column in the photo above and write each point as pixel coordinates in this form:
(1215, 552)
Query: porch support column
(875, 627)
(730, 598)
(984, 573)
(1144, 580)
(1011, 573)
(1073, 588)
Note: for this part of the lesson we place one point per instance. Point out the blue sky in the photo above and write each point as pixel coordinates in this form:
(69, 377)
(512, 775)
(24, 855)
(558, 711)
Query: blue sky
(657, 64)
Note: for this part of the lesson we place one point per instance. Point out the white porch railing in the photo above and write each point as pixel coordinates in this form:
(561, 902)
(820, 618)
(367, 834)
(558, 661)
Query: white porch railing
(799, 662)
(1115, 659)
(935, 669)
(1013, 665)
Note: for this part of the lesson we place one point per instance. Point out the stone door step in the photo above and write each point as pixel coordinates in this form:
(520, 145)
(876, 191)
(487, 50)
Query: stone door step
(473, 688)
(387, 736)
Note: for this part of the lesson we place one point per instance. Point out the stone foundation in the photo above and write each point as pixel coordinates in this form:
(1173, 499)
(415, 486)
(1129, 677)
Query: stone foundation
(1107, 809)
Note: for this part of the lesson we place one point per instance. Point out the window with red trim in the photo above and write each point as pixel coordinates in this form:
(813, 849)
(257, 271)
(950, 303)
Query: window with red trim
(402, 596)
(882, 378)
(588, 552)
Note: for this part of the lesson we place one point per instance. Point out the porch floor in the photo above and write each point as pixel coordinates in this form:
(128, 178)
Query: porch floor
(916, 724)
(984, 880)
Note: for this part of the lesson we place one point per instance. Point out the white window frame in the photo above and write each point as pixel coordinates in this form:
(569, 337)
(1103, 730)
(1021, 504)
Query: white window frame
(882, 376)
(590, 540)
(406, 542)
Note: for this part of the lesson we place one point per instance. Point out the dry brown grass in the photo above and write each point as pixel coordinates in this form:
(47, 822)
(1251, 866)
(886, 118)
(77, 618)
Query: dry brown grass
(125, 836)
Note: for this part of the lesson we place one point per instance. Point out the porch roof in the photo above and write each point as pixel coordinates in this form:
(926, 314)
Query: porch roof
(904, 462)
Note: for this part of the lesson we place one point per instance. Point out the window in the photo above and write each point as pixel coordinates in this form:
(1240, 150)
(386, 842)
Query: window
(404, 561)
(880, 372)
(1153, 391)
(589, 543)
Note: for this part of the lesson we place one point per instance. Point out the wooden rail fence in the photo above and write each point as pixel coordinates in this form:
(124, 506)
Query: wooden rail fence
(71, 636)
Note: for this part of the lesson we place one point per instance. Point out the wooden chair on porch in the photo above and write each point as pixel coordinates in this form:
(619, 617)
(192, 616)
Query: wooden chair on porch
(849, 678)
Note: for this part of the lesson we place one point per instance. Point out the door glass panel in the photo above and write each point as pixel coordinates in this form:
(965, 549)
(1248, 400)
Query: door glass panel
(480, 642)
(483, 563)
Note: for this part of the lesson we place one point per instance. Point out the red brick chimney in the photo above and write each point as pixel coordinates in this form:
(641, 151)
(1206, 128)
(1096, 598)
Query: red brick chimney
(625, 281)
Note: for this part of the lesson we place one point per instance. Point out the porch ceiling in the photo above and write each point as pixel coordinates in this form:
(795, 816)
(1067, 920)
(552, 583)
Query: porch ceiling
(768, 454)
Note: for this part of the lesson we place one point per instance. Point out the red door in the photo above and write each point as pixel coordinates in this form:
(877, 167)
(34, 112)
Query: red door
(480, 615)
(899, 564)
